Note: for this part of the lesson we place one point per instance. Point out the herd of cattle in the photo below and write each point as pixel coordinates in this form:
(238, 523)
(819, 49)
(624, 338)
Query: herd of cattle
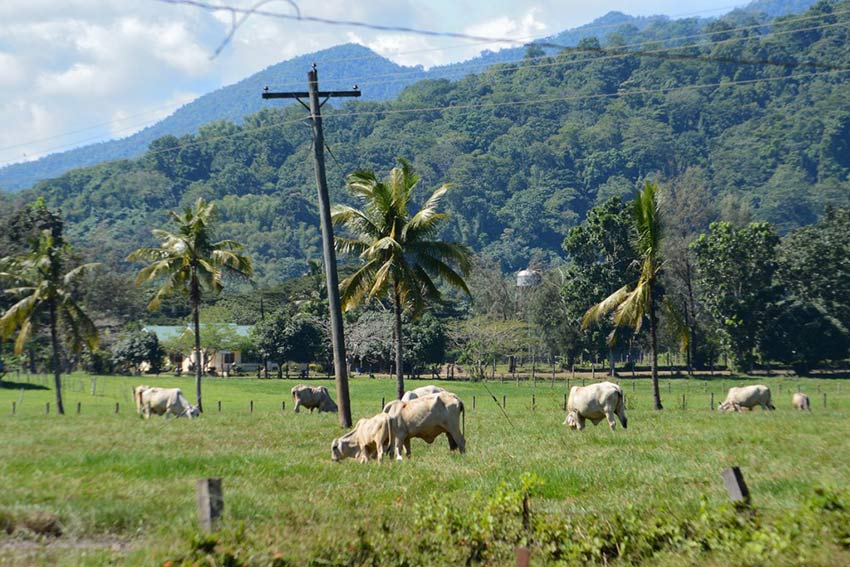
(430, 411)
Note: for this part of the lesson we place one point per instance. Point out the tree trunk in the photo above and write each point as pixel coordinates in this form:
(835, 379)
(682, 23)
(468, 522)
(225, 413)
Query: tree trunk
(656, 394)
(196, 323)
(690, 317)
(399, 375)
(57, 370)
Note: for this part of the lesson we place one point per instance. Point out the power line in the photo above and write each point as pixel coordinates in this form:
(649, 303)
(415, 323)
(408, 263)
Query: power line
(659, 54)
(462, 69)
(545, 100)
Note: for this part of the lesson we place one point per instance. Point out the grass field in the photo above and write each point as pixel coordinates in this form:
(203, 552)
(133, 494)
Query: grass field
(106, 488)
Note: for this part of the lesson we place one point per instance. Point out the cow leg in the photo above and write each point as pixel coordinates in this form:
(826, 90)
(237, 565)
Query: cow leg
(297, 405)
(407, 446)
(612, 423)
(401, 443)
(621, 413)
(580, 421)
(456, 437)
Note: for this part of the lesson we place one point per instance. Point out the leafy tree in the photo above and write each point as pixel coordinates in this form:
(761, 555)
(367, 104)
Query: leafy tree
(138, 346)
(736, 269)
(801, 336)
(639, 301)
(601, 259)
(287, 336)
(814, 264)
(190, 262)
(43, 288)
(400, 251)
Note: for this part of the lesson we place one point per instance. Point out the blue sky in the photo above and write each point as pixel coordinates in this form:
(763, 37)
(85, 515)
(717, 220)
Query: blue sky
(74, 72)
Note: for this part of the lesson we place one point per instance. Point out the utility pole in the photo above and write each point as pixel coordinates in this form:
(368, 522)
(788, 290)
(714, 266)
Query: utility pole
(331, 277)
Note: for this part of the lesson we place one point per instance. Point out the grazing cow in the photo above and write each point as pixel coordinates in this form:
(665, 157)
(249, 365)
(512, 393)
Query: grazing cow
(421, 392)
(369, 439)
(596, 402)
(801, 402)
(313, 397)
(426, 418)
(746, 398)
(163, 401)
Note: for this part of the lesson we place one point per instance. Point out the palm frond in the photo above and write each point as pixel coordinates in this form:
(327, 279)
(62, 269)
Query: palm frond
(355, 287)
(604, 307)
(18, 314)
(680, 328)
(78, 272)
(635, 305)
(23, 336)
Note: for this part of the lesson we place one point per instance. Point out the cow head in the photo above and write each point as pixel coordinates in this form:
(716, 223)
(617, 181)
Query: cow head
(193, 411)
(572, 420)
(343, 448)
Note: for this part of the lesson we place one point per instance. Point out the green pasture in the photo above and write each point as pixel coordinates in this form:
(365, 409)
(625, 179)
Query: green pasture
(104, 487)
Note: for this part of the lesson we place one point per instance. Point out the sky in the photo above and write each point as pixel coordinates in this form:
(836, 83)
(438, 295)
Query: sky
(76, 72)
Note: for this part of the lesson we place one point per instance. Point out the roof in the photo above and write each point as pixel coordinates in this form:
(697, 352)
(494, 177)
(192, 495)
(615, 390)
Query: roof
(167, 332)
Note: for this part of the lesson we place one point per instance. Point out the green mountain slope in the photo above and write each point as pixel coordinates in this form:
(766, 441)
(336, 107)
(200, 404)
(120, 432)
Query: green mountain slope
(340, 66)
(530, 146)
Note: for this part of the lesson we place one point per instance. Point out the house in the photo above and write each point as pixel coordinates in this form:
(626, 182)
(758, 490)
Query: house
(222, 340)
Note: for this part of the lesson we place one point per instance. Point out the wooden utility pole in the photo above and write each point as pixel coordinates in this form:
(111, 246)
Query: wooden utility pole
(331, 277)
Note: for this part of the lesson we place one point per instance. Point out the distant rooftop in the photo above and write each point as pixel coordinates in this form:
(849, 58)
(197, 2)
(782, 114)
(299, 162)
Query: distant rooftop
(168, 332)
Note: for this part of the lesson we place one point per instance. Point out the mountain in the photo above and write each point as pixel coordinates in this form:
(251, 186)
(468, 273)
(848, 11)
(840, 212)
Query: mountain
(338, 65)
(530, 147)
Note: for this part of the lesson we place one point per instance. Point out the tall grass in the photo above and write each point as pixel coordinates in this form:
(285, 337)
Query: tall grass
(122, 489)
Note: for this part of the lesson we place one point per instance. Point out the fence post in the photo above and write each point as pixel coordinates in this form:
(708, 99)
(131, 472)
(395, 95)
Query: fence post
(533, 402)
(47, 408)
(711, 403)
(93, 386)
(683, 401)
(13, 408)
(283, 405)
(383, 403)
(210, 502)
(219, 406)
(473, 402)
(79, 407)
(824, 400)
(504, 402)
(116, 407)
(565, 402)
(251, 406)
(733, 478)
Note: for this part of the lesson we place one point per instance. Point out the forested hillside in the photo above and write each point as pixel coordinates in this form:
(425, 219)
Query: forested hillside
(340, 66)
(529, 146)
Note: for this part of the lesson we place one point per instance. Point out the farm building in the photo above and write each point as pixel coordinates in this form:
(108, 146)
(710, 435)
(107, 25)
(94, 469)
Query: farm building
(219, 358)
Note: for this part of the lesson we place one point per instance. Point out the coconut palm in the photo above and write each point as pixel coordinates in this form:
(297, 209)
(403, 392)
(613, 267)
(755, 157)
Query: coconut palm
(42, 291)
(639, 301)
(191, 262)
(400, 251)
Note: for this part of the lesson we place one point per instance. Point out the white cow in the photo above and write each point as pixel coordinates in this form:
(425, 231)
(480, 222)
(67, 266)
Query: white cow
(313, 397)
(163, 401)
(370, 438)
(421, 392)
(596, 402)
(426, 418)
(746, 398)
(801, 402)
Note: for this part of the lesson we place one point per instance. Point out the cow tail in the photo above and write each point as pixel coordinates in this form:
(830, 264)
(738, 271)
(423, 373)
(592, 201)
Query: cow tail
(462, 419)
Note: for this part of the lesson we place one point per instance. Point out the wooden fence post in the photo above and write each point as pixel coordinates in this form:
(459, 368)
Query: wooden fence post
(383, 403)
(13, 408)
(523, 557)
(251, 406)
(711, 403)
(283, 405)
(47, 408)
(504, 402)
(219, 406)
(533, 402)
(473, 402)
(737, 489)
(116, 407)
(79, 407)
(210, 502)
(683, 401)
(824, 400)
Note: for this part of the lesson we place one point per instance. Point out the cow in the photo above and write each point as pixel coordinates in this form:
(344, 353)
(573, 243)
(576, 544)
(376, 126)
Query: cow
(596, 402)
(746, 398)
(426, 417)
(421, 392)
(313, 397)
(163, 401)
(369, 439)
(801, 402)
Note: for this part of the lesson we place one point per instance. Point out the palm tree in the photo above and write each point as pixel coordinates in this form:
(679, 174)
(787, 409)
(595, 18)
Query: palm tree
(191, 262)
(41, 288)
(400, 252)
(635, 302)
